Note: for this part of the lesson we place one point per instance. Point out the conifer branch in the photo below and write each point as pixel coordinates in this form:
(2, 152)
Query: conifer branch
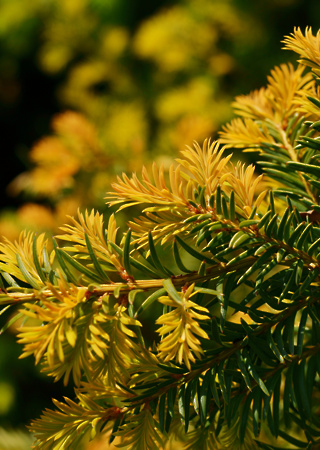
(205, 308)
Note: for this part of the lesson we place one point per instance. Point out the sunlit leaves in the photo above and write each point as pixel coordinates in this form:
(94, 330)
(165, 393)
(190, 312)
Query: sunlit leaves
(141, 431)
(27, 259)
(75, 337)
(246, 134)
(90, 227)
(180, 328)
(271, 122)
(201, 167)
(204, 183)
(205, 164)
(246, 186)
(71, 424)
(285, 84)
(306, 45)
(277, 102)
(54, 326)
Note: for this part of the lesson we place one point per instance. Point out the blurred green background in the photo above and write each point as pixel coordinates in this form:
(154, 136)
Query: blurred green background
(91, 88)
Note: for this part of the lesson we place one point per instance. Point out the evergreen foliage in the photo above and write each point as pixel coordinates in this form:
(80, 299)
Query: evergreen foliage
(200, 322)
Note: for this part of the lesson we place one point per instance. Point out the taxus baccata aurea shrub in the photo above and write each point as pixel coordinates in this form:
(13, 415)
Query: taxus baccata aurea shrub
(200, 322)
